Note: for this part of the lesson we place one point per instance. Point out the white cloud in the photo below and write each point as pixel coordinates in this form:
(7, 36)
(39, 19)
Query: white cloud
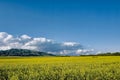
(8, 41)
(84, 51)
(25, 37)
(70, 43)
(5, 37)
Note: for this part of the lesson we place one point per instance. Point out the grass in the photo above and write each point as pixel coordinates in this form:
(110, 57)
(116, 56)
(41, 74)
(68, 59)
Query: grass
(60, 68)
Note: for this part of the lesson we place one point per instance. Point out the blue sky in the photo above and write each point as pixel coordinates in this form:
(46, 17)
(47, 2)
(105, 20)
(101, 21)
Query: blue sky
(93, 23)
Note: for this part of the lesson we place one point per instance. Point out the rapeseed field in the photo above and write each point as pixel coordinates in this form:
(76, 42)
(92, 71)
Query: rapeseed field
(60, 68)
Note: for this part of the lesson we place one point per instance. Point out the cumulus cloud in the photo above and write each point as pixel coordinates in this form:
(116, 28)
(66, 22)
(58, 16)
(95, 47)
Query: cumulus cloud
(8, 41)
(25, 37)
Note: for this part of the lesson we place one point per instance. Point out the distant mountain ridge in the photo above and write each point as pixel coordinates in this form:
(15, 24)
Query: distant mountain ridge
(23, 52)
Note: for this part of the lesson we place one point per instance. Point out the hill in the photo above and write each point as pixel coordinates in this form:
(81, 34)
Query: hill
(23, 52)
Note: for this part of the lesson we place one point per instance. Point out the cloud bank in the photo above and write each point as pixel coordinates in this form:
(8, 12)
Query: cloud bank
(8, 41)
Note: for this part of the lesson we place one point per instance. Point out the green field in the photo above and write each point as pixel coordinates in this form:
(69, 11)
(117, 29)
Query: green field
(60, 68)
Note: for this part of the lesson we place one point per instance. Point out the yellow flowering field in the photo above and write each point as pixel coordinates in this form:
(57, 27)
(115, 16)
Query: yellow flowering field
(60, 68)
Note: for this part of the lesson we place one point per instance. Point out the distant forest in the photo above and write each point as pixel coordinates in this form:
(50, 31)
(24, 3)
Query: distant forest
(23, 52)
(104, 54)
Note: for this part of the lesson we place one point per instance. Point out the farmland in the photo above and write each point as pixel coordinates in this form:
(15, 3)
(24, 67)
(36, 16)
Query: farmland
(60, 68)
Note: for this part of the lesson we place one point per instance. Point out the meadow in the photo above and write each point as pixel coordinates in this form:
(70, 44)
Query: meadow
(60, 68)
